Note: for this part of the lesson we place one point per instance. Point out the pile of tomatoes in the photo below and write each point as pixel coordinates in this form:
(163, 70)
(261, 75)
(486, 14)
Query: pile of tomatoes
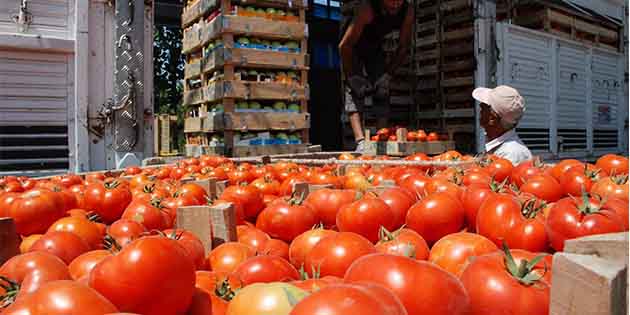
(390, 134)
(442, 240)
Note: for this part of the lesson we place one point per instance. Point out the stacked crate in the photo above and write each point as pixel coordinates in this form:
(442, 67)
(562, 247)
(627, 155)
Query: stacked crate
(446, 69)
(246, 86)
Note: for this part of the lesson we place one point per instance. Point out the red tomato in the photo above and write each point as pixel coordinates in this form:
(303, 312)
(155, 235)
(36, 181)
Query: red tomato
(149, 214)
(496, 288)
(575, 183)
(27, 242)
(332, 255)
(108, 200)
(433, 136)
(422, 287)
(32, 211)
(544, 187)
(472, 198)
(253, 237)
(412, 136)
(572, 218)
(275, 298)
(365, 217)
(193, 190)
(191, 243)
(62, 297)
(399, 201)
(522, 172)
(248, 196)
(500, 169)
(312, 285)
(444, 186)
(621, 208)
(611, 187)
(143, 270)
(267, 185)
(613, 164)
(286, 220)
(327, 202)
(322, 178)
(454, 251)
(502, 218)
(403, 242)
(562, 167)
(416, 184)
(266, 269)
(82, 265)
(31, 270)
(304, 243)
(347, 298)
(64, 245)
(82, 227)
(227, 256)
(435, 216)
(124, 231)
(274, 247)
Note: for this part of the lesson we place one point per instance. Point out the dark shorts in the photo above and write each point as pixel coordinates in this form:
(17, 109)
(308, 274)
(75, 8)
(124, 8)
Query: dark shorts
(372, 68)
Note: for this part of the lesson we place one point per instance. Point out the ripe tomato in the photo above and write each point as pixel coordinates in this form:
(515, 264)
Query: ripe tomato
(416, 184)
(351, 298)
(454, 251)
(444, 186)
(248, 196)
(572, 218)
(403, 242)
(613, 164)
(436, 216)
(522, 172)
(31, 270)
(150, 191)
(253, 237)
(65, 245)
(191, 243)
(472, 198)
(142, 271)
(82, 265)
(433, 136)
(124, 231)
(62, 297)
(399, 201)
(28, 241)
(304, 243)
(286, 220)
(267, 185)
(502, 218)
(275, 298)
(562, 167)
(314, 284)
(108, 200)
(274, 247)
(149, 214)
(574, 183)
(266, 269)
(496, 287)
(327, 202)
(82, 227)
(79, 195)
(193, 190)
(611, 187)
(422, 287)
(32, 211)
(412, 136)
(365, 217)
(499, 169)
(324, 178)
(227, 256)
(544, 187)
(332, 255)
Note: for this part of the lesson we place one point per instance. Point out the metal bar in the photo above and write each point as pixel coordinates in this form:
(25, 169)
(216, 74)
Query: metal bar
(34, 136)
(34, 148)
(31, 161)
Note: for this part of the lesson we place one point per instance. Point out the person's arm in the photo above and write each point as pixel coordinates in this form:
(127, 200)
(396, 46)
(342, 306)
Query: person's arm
(351, 37)
(403, 43)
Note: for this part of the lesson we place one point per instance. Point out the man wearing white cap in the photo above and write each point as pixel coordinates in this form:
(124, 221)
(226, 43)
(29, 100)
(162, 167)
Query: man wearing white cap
(501, 110)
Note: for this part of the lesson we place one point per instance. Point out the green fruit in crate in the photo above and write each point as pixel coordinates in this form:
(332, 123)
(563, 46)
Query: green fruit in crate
(294, 137)
(292, 74)
(293, 45)
(260, 11)
(250, 9)
(281, 13)
(242, 105)
(243, 40)
(282, 136)
(252, 72)
(218, 108)
(271, 11)
(265, 42)
(279, 106)
(255, 40)
(254, 105)
(268, 108)
(294, 107)
(275, 44)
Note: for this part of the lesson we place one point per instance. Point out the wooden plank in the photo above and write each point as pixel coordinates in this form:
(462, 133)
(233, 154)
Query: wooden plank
(266, 121)
(585, 284)
(458, 18)
(258, 150)
(299, 4)
(612, 246)
(460, 49)
(192, 69)
(426, 41)
(244, 57)
(223, 219)
(458, 82)
(253, 26)
(190, 13)
(237, 89)
(461, 65)
(9, 240)
(427, 70)
(193, 97)
(455, 5)
(464, 33)
(403, 148)
(426, 26)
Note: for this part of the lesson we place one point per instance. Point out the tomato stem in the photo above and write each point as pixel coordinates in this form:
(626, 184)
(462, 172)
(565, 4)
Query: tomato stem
(110, 244)
(523, 273)
(11, 289)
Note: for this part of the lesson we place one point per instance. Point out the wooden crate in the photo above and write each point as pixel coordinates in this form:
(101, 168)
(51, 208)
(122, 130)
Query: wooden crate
(266, 121)
(211, 122)
(195, 150)
(258, 150)
(253, 26)
(163, 127)
(246, 57)
(237, 89)
(193, 97)
(405, 148)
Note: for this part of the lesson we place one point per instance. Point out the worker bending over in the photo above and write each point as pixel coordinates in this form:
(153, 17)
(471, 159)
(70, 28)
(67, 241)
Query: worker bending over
(365, 71)
(501, 110)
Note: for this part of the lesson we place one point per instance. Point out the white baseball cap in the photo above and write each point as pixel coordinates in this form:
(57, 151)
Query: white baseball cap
(504, 100)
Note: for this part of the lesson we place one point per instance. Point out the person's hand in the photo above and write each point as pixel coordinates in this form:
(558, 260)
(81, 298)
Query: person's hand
(359, 85)
(382, 84)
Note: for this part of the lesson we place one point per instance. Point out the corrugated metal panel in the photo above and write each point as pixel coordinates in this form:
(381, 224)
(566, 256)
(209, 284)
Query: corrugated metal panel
(571, 104)
(527, 68)
(50, 17)
(606, 88)
(33, 89)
